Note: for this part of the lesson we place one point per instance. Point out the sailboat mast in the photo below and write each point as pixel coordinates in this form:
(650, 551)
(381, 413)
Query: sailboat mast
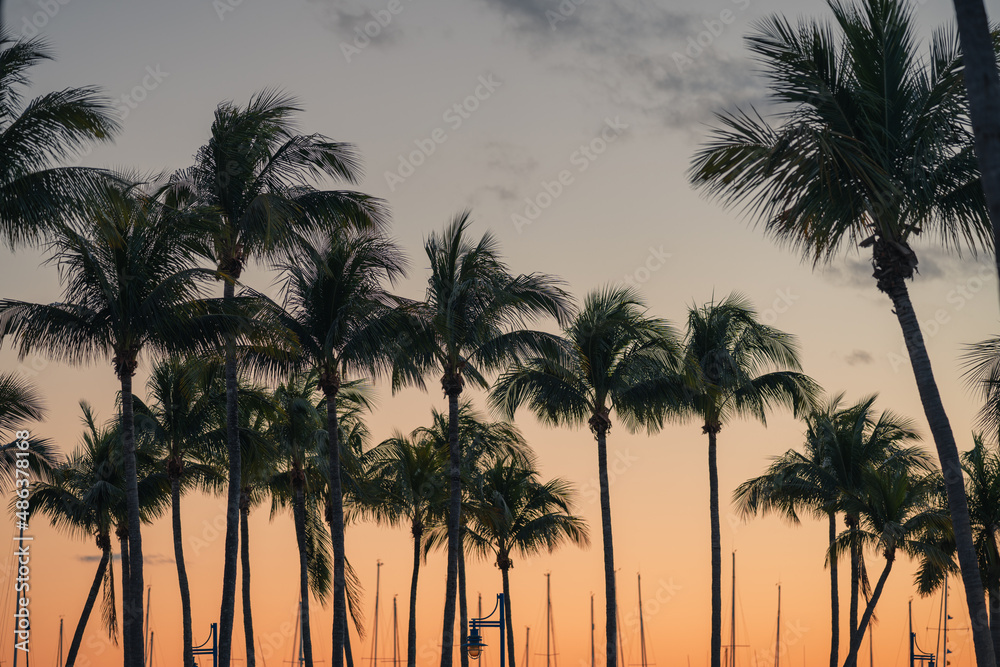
(732, 620)
(152, 636)
(395, 635)
(149, 594)
(378, 576)
(642, 629)
(60, 641)
(592, 630)
(527, 635)
(777, 639)
(548, 618)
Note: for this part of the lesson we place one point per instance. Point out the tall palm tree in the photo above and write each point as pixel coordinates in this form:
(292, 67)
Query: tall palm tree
(185, 404)
(733, 366)
(842, 442)
(35, 136)
(254, 174)
(983, 86)
(411, 488)
(129, 287)
(337, 307)
(86, 496)
(874, 149)
(612, 357)
(471, 322)
(981, 465)
(21, 402)
(900, 510)
(512, 511)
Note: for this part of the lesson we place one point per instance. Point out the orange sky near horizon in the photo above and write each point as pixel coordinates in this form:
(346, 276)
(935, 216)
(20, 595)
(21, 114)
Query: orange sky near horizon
(629, 216)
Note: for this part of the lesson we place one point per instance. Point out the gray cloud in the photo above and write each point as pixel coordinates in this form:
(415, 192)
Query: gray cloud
(150, 559)
(859, 358)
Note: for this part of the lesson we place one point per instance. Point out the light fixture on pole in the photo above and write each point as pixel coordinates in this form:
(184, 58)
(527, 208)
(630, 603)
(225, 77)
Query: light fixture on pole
(474, 642)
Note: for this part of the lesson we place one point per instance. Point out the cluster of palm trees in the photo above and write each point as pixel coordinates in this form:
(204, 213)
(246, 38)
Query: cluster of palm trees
(264, 399)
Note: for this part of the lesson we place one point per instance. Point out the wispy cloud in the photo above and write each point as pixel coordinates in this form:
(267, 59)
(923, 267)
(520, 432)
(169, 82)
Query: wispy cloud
(859, 358)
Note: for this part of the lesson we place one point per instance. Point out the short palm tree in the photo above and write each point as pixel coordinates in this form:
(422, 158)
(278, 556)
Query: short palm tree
(20, 402)
(295, 431)
(865, 155)
(130, 286)
(899, 510)
(732, 365)
(981, 362)
(842, 442)
(86, 495)
(254, 175)
(185, 403)
(612, 357)
(411, 488)
(981, 465)
(471, 322)
(512, 511)
(337, 307)
(36, 136)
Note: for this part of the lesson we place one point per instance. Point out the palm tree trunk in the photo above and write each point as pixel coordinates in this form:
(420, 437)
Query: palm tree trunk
(507, 615)
(713, 491)
(852, 657)
(182, 579)
(834, 597)
(133, 601)
(348, 656)
(411, 631)
(463, 603)
(299, 511)
(610, 625)
(228, 611)
(245, 567)
(995, 616)
(983, 85)
(454, 516)
(944, 441)
(855, 579)
(336, 519)
(126, 588)
(88, 606)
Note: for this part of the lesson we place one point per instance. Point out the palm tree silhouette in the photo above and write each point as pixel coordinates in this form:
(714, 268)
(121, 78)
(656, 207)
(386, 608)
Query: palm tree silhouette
(253, 179)
(612, 357)
(870, 156)
(472, 322)
(732, 366)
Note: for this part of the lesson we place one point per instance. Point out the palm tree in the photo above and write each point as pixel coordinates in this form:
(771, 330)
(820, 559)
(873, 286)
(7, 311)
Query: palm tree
(36, 136)
(480, 442)
(612, 357)
(731, 366)
(512, 511)
(868, 155)
(900, 510)
(129, 287)
(254, 173)
(295, 433)
(981, 362)
(981, 465)
(983, 86)
(471, 323)
(20, 402)
(411, 488)
(841, 444)
(86, 496)
(185, 405)
(337, 307)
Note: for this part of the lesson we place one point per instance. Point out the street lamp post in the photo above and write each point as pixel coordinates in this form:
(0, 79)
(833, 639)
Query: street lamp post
(474, 643)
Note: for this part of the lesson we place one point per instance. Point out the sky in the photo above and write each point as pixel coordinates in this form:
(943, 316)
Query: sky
(566, 127)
